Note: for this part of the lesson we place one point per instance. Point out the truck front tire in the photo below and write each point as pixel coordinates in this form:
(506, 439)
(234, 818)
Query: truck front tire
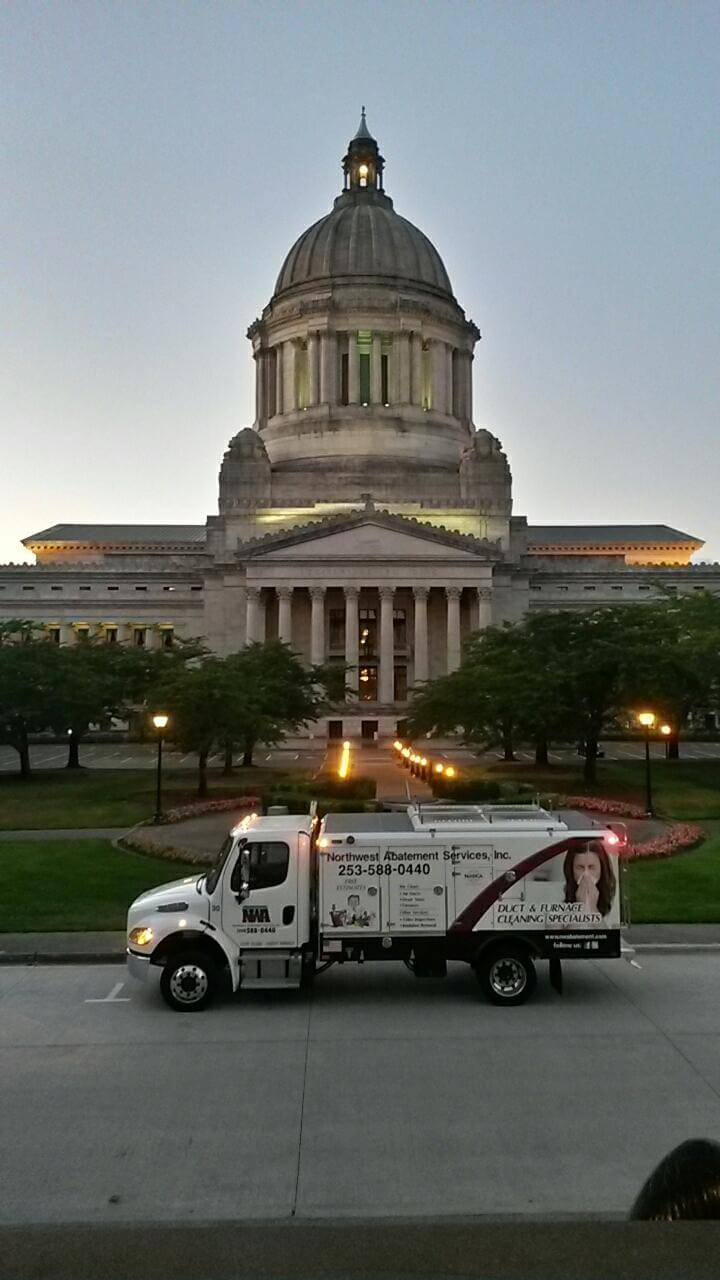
(506, 974)
(188, 981)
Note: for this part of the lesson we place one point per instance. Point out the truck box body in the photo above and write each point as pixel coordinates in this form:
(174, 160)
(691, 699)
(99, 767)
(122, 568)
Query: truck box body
(449, 872)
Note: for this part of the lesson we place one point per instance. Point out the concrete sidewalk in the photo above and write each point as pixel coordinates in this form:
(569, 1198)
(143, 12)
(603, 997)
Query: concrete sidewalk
(71, 833)
(109, 947)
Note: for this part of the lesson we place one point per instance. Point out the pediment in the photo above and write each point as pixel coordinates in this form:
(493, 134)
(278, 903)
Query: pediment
(373, 537)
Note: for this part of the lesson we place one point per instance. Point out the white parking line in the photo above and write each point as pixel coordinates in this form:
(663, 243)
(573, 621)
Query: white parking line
(113, 998)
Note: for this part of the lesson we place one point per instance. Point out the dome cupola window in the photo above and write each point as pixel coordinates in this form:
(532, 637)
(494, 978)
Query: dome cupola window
(363, 164)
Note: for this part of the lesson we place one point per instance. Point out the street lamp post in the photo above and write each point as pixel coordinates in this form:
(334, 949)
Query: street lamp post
(647, 720)
(666, 730)
(160, 720)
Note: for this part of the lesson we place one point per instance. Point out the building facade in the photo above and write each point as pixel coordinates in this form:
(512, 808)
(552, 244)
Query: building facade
(362, 518)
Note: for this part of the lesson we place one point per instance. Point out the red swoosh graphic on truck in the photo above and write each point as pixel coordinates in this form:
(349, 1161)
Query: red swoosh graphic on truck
(475, 910)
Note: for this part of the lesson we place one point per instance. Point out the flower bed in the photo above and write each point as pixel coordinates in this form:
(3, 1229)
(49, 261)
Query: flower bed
(195, 810)
(677, 839)
(599, 804)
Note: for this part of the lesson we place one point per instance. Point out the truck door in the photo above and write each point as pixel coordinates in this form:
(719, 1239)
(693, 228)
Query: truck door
(471, 872)
(268, 916)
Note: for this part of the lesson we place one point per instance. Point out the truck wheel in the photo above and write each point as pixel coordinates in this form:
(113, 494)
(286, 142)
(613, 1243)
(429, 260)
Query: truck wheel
(506, 975)
(188, 981)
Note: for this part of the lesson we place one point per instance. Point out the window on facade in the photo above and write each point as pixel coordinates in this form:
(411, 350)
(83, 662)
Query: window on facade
(399, 629)
(83, 634)
(400, 684)
(196, 588)
(368, 683)
(54, 634)
(364, 378)
(344, 378)
(643, 588)
(384, 380)
(336, 636)
(168, 637)
(84, 588)
(139, 637)
(368, 632)
(141, 588)
(587, 588)
(56, 588)
(335, 729)
(268, 865)
(28, 588)
(113, 588)
(111, 635)
(616, 588)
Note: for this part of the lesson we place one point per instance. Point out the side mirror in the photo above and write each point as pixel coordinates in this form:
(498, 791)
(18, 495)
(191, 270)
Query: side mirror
(244, 889)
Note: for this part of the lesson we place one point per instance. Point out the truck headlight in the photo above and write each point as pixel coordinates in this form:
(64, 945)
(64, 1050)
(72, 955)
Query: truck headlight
(140, 937)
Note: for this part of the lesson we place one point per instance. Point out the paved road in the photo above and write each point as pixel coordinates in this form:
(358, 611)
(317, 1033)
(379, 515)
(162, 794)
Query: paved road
(377, 1096)
(143, 755)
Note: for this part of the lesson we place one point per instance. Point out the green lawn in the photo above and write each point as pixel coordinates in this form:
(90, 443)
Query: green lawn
(68, 885)
(684, 889)
(683, 789)
(58, 798)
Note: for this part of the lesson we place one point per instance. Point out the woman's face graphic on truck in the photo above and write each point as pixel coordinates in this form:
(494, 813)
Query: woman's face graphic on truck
(587, 863)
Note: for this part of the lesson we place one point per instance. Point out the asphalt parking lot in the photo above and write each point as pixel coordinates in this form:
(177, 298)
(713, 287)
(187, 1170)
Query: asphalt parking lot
(376, 1096)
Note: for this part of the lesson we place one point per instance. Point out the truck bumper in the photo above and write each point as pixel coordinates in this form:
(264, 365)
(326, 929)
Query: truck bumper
(138, 966)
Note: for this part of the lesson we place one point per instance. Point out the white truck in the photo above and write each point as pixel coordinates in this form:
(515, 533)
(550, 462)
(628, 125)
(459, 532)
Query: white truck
(498, 887)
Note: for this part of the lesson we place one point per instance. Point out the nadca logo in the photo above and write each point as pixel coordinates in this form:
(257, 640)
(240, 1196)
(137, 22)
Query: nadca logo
(255, 915)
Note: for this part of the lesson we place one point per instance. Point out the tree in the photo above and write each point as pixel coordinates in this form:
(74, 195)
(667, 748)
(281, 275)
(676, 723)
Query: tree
(277, 694)
(29, 681)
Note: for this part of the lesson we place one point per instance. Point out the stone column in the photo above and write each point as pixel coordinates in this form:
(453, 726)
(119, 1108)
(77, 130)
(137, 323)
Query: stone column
(279, 378)
(289, 389)
(312, 368)
(254, 616)
(439, 368)
(416, 363)
(467, 383)
(386, 689)
(285, 595)
(484, 620)
(420, 595)
(328, 368)
(453, 628)
(449, 397)
(376, 370)
(260, 386)
(317, 626)
(352, 655)
(402, 360)
(353, 369)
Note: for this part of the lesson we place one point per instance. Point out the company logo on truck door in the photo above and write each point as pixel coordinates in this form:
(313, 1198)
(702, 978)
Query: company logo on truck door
(255, 915)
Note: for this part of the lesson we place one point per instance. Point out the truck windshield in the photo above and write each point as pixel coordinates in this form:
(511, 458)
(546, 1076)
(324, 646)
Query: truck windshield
(214, 874)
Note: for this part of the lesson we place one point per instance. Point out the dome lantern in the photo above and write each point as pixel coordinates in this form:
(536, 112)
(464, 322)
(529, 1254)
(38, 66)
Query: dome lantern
(363, 165)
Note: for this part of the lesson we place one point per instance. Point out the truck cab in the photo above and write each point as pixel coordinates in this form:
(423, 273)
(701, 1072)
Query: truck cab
(245, 922)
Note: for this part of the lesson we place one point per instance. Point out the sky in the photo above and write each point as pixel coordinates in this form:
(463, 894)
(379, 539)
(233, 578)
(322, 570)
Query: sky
(158, 160)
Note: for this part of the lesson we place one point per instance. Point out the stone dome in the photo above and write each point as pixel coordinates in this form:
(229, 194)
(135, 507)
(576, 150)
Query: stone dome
(364, 237)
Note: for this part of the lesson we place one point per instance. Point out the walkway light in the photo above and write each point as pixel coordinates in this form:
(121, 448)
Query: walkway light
(647, 720)
(344, 766)
(666, 730)
(449, 771)
(439, 768)
(160, 721)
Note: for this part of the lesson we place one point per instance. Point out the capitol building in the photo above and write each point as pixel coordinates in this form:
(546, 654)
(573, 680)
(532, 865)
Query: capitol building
(361, 518)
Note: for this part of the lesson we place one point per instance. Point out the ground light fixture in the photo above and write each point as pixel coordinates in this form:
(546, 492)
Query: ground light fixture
(160, 721)
(647, 720)
(344, 766)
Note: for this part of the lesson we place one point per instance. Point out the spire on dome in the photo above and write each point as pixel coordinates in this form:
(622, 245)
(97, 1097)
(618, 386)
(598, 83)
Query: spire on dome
(363, 133)
(363, 164)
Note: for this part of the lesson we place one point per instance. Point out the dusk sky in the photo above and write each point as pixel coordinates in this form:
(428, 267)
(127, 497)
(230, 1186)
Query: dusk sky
(158, 160)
